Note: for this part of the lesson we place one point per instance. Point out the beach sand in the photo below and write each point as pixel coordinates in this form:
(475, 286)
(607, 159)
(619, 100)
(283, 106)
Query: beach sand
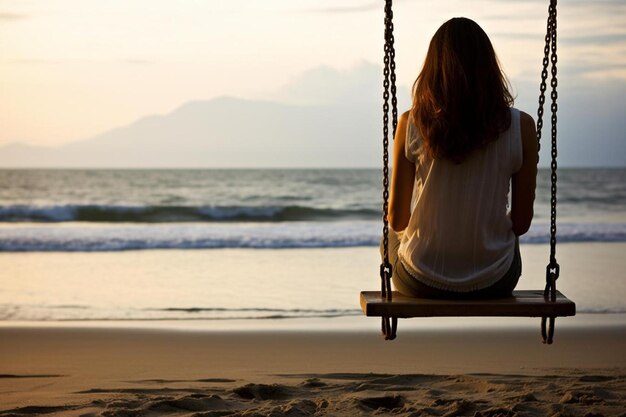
(475, 371)
(308, 366)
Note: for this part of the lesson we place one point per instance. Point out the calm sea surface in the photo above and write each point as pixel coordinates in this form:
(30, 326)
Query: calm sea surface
(62, 232)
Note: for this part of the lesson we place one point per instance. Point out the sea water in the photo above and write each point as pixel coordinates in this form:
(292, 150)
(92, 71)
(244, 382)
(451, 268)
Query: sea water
(224, 244)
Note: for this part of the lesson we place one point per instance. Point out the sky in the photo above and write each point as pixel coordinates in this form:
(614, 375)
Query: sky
(70, 69)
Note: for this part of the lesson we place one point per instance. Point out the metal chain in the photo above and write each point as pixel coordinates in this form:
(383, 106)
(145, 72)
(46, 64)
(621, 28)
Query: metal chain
(389, 324)
(550, 58)
(385, 266)
(553, 166)
(392, 69)
(544, 77)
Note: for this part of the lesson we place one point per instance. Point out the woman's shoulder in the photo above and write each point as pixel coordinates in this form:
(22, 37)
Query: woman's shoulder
(522, 121)
(526, 120)
(529, 137)
(412, 141)
(404, 119)
(527, 125)
(405, 123)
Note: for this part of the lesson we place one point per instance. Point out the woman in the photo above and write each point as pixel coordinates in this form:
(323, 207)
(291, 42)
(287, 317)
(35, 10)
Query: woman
(455, 154)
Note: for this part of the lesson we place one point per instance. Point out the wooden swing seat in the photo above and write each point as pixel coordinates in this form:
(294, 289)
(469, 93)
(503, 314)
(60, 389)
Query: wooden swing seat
(525, 303)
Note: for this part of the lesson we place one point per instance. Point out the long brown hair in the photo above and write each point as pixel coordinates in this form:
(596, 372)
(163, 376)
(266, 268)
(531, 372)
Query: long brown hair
(461, 97)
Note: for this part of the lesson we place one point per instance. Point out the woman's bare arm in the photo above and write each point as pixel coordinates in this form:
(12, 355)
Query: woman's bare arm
(525, 180)
(402, 179)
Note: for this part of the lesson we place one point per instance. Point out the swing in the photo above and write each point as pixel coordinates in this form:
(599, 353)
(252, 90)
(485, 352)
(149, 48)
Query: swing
(547, 304)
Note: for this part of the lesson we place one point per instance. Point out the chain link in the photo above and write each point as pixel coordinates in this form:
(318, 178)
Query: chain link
(389, 324)
(544, 77)
(553, 165)
(386, 80)
(550, 58)
(389, 94)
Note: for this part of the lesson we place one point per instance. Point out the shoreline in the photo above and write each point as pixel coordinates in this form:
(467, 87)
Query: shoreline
(222, 285)
(357, 323)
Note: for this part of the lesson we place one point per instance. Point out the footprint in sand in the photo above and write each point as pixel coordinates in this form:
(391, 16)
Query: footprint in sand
(263, 392)
(385, 402)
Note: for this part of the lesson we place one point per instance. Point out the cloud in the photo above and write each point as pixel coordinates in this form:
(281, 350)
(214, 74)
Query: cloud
(595, 39)
(594, 70)
(518, 35)
(41, 61)
(360, 86)
(137, 61)
(34, 61)
(10, 17)
(357, 8)
(591, 40)
(599, 40)
(573, 2)
(591, 125)
(366, 7)
(600, 6)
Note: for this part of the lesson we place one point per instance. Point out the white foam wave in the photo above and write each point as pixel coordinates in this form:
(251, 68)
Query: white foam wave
(74, 237)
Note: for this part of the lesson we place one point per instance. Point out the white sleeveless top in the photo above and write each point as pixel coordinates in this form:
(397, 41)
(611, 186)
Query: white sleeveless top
(459, 237)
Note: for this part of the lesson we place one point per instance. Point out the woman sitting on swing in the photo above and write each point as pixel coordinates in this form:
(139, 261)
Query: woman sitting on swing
(455, 153)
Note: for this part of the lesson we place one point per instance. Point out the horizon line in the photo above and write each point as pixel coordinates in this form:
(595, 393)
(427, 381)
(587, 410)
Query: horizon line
(198, 168)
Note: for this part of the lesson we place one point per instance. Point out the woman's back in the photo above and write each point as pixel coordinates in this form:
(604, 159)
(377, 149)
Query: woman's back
(455, 154)
(459, 236)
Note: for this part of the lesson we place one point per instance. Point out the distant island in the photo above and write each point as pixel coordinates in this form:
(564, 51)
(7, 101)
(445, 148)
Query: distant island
(223, 132)
(228, 132)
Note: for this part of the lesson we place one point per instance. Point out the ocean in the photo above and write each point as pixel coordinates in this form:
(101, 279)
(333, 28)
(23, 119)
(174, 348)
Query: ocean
(175, 244)
(112, 210)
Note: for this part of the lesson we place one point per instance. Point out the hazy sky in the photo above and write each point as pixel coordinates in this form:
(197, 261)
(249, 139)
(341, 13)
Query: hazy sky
(70, 69)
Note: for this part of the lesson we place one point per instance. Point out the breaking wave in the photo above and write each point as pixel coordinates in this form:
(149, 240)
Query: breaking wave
(76, 237)
(174, 214)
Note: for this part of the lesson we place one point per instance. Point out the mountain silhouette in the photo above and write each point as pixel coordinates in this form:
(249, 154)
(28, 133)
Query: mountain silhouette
(223, 132)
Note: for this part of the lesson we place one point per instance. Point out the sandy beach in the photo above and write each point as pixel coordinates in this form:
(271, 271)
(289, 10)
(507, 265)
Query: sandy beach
(336, 366)
(481, 371)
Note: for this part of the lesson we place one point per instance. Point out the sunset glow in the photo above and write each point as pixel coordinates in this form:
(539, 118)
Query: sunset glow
(71, 69)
